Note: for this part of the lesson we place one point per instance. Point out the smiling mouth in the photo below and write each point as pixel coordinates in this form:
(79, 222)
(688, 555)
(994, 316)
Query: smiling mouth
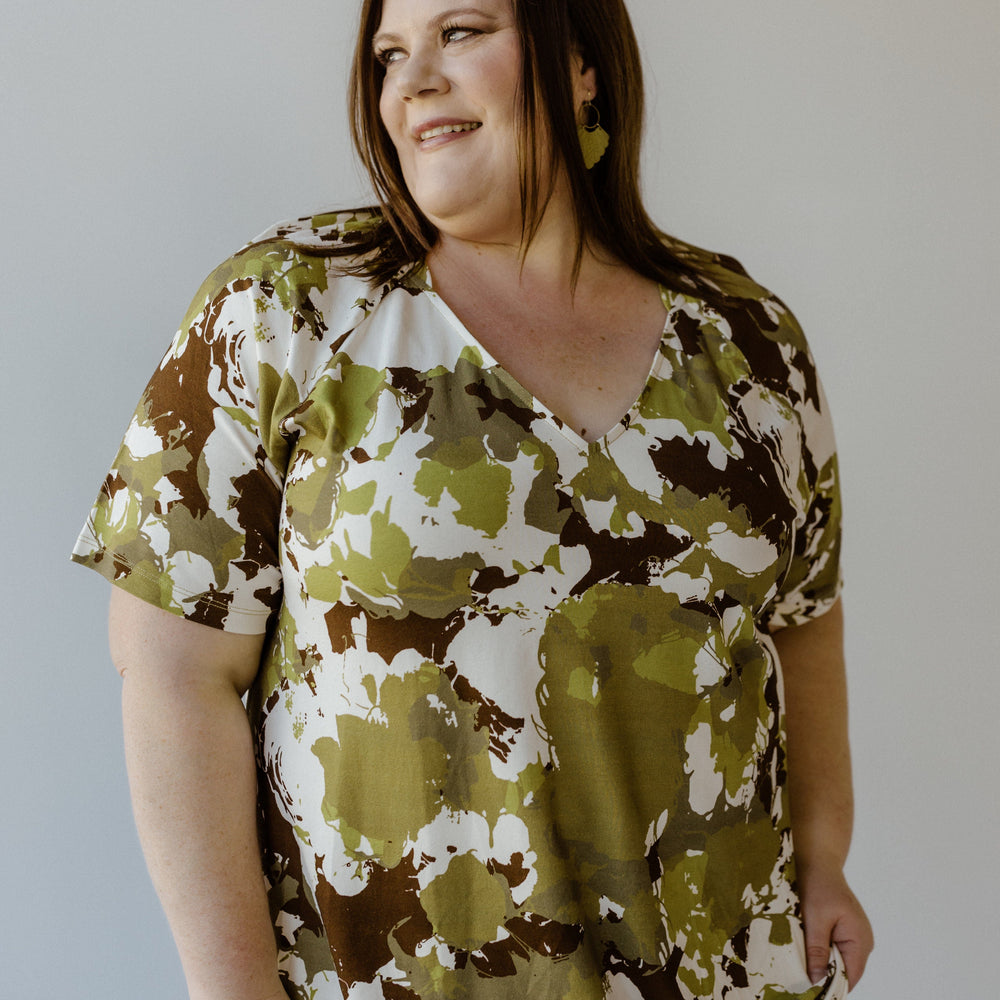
(433, 133)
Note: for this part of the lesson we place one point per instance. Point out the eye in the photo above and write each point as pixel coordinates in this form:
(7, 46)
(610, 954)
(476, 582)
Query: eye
(449, 33)
(456, 33)
(388, 56)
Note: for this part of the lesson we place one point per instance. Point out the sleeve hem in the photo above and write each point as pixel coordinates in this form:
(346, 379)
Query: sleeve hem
(205, 608)
(778, 620)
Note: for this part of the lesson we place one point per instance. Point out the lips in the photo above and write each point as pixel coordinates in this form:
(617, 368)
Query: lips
(442, 126)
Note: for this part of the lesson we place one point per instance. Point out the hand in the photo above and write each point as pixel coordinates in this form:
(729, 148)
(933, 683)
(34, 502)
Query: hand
(832, 914)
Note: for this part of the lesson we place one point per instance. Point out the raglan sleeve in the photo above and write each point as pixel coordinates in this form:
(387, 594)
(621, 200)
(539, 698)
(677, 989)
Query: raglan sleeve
(188, 516)
(812, 580)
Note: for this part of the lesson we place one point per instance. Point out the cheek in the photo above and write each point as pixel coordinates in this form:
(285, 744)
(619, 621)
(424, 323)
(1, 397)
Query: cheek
(384, 111)
(389, 112)
(505, 75)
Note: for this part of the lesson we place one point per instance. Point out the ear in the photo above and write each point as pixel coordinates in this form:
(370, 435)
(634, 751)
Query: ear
(584, 81)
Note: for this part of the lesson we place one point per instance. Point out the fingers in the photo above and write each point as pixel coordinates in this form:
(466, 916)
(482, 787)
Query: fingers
(819, 933)
(832, 914)
(848, 928)
(853, 936)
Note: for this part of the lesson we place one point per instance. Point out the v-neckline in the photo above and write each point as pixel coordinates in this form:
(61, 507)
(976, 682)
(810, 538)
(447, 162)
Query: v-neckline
(550, 417)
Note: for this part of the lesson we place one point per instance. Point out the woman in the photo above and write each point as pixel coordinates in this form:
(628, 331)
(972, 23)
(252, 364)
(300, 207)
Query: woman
(501, 507)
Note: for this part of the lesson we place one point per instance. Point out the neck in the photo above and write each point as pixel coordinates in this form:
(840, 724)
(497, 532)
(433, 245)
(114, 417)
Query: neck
(547, 263)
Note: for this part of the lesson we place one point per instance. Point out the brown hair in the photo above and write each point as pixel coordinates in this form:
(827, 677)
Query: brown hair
(607, 199)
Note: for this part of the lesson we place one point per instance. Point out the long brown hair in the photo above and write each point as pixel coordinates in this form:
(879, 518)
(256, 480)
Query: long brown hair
(606, 198)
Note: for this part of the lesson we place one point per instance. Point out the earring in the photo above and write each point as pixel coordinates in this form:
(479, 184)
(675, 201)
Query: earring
(593, 139)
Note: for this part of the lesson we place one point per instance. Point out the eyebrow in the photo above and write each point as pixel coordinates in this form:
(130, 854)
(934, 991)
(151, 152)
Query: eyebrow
(447, 15)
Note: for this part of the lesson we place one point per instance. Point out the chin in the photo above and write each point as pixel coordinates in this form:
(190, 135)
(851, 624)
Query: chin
(440, 210)
(476, 216)
(475, 227)
(448, 196)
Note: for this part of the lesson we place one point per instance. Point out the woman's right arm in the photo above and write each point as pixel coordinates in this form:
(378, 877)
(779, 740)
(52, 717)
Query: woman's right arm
(194, 793)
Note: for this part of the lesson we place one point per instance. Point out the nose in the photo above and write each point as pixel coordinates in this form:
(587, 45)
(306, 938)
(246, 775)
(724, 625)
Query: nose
(420, 76)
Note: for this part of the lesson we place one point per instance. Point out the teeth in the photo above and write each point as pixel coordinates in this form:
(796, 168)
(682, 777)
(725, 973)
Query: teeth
(445, 129)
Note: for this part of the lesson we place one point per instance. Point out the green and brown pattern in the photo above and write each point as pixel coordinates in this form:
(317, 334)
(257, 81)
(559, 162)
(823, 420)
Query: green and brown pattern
(518, 721)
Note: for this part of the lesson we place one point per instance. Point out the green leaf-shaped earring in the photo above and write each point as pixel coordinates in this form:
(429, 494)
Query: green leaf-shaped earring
(593, 139)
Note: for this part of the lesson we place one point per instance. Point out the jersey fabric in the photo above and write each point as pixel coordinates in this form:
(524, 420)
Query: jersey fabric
(518, 719)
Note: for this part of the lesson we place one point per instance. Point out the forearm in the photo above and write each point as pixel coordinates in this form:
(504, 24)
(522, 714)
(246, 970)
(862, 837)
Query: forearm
(819, 789)
(819, 759)
(193, 783)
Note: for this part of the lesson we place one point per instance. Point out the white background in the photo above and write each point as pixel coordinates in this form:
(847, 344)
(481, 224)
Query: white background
(847, 153)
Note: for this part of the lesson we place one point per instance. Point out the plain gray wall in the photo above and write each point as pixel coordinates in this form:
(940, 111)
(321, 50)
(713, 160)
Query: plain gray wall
(847, 152)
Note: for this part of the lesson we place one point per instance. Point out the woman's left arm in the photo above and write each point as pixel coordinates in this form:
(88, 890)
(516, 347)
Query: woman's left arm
(820, 792)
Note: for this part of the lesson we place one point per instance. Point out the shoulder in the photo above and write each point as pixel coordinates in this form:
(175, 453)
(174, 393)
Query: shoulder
(333, 231)
(295, 272)
(750, 308)
(756, 322)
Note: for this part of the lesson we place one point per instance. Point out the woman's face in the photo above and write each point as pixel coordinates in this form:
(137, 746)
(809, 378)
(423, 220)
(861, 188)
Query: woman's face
(449, 104)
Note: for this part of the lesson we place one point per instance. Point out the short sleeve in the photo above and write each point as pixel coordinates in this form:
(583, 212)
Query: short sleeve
(776, 351)
(812, 581)
(187, 518)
